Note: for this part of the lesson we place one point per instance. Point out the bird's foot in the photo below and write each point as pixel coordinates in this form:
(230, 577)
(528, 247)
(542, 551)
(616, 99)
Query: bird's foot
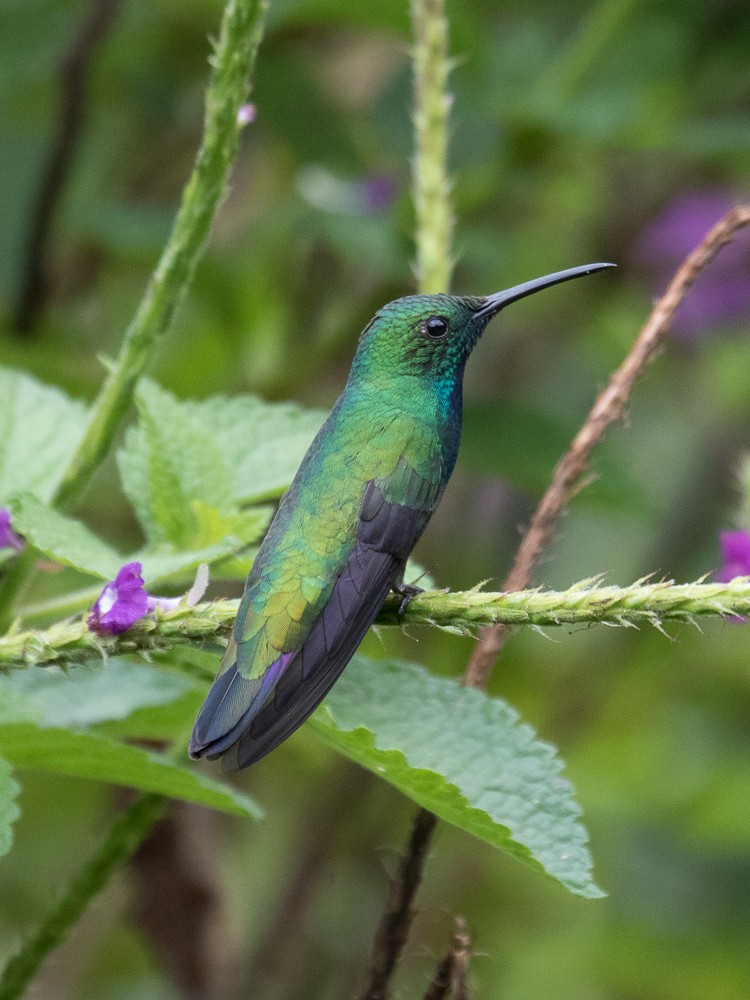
(407, 592)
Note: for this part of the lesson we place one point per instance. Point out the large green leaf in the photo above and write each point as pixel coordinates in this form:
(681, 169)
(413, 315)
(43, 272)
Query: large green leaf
(40, 428)
(9, 811)
(92, 755)
(171, 461)
(70, 542)
(86, 695)
(160, 565)
(262, 443)
(63, 538)
(466, 757)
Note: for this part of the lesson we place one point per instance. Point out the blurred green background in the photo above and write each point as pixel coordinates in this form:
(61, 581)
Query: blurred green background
(581, 132)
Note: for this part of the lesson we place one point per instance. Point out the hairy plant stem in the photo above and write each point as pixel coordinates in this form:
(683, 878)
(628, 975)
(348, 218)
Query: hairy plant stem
(430, 182)
(232, 62)
(127, 832)
(644, 603)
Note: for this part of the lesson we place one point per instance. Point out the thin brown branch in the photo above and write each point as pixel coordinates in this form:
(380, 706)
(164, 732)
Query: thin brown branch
(609, 407)
(452, 975)
(74, 70)
(394, 925)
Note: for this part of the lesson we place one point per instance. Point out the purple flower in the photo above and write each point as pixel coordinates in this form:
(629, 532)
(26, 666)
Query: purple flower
(121, 603)
(735, 548)
(125, 600)
(721, 295)
(8, 538)
(246, 114)
(378, 192)
(370, 195)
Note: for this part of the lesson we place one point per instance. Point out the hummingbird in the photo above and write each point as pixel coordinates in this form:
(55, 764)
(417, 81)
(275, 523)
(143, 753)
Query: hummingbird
(338, 544)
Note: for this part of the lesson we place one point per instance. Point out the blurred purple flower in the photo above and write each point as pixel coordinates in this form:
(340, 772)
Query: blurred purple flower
(125, 600)
(8, 538)
(735, 549)
(721, 294)
(370, 195)
(378, 193)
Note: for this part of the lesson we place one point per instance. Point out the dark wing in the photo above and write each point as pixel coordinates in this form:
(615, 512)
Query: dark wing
(298, 681)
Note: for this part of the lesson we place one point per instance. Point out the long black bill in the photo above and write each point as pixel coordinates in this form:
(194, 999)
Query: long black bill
(494, 303)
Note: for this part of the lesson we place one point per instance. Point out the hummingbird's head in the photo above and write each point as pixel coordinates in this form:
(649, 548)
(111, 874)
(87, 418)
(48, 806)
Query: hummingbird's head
(433, 335)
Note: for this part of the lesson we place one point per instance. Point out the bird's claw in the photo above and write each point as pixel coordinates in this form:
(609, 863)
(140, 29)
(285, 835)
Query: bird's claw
(407, 592)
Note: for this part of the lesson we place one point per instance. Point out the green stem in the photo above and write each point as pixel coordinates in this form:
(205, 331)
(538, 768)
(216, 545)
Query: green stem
(232, 62)
(586, 602)
(430, 181)
(126, 834)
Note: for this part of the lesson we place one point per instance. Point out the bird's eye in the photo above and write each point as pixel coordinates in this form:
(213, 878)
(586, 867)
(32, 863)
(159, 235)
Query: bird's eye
(436, 327)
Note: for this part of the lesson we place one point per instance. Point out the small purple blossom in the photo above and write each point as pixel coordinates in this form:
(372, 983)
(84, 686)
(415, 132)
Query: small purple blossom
(246, 114)
(122, 602)
(735, 548)
(8, 538)
(125, 600)
(721, 295)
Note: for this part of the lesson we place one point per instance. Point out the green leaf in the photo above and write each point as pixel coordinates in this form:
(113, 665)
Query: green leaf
(189, 465)
(9, 811)
(91, 755)
(40, 429)
(160, 565)
(84, 696)
(466, 757)
(262, 443)
(194, 665)
(158, 722)
(70, 542)
(170, 460)
(63, 538)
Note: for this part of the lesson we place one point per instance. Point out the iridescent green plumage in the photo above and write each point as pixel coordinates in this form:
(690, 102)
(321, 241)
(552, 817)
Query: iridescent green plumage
(361, 498)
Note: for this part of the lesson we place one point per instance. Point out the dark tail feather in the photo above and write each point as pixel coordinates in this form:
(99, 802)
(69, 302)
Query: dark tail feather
(230, 705)
(354, 603)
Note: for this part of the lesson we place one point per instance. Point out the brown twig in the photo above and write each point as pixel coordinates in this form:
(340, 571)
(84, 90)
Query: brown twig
(74, 69)
(568, 475)
(566, 480)
(452, 975)
(394, 925)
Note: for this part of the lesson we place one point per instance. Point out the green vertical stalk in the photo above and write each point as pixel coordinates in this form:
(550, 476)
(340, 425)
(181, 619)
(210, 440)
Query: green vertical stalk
(232, 65)
(433, 237)
(124, 837)
(233, 61)
(430, 181)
